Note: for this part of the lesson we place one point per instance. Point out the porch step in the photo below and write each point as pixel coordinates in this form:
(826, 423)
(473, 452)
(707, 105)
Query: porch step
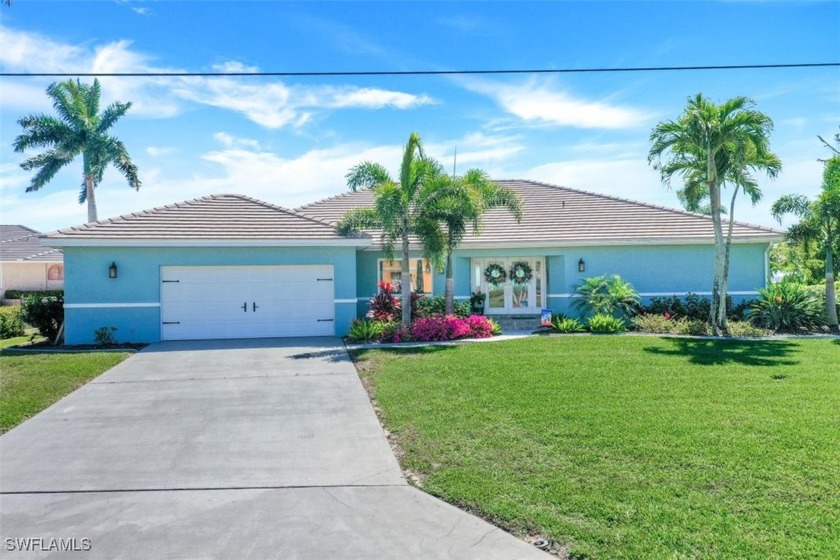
(520, 322)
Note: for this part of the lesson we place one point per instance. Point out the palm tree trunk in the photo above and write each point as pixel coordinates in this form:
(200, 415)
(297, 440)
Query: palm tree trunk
(90, 195)
(90, 186)
(729, 229)
(449, 286)
(405, 281)
(830, 293)
(718, 306)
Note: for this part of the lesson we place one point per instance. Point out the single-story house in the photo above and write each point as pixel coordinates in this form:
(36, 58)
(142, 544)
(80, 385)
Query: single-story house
(229, 266)
(27, 265)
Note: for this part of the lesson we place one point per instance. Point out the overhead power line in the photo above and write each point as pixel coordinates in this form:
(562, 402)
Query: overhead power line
(421, 72)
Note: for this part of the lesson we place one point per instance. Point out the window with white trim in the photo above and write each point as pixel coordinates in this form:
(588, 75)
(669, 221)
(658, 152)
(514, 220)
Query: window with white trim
(420, 270)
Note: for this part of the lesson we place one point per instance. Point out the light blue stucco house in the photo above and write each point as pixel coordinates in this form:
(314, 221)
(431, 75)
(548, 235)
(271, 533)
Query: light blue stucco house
(228, 266)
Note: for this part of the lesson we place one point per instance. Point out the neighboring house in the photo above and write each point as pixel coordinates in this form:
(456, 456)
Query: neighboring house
(25, 264)
(228, 266)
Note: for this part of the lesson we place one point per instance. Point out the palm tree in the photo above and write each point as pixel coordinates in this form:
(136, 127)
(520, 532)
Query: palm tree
(819, 221)
(707, 146)
(460, 204)
(79, 129)
(397, 208)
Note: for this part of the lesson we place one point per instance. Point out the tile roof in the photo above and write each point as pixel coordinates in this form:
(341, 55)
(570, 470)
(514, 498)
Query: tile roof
(226, 217)
(569, 216)
(20, 243)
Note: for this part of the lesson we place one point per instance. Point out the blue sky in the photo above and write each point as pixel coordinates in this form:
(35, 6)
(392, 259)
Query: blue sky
(290, 141)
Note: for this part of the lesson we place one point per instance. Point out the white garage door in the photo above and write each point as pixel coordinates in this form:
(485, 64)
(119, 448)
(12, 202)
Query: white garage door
(200, 302)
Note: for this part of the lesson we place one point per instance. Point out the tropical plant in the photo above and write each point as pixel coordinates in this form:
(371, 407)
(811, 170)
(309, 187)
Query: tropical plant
(365, 330)
(460, 207)
(384, 306)
(708, 146)
(604, 323)
(495, 326)
(477, 299)
(79, 129)
(608, 295)
(787, 307)
(44, 313)
(397, 208)
(566, 325)
(819, 222)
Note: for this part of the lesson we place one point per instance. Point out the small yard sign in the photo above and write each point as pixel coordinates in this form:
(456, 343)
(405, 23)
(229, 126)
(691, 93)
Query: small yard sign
(545, 319)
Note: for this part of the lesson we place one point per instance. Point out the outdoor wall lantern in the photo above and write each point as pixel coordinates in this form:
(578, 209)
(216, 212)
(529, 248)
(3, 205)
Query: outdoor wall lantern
(581, 266)
(112, 270)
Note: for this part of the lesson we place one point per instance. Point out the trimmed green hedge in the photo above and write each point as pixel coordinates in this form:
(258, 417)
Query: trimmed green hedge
(10, 324)
(20, 294)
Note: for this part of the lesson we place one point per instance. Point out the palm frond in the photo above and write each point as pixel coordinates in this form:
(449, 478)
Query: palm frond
(367, 175)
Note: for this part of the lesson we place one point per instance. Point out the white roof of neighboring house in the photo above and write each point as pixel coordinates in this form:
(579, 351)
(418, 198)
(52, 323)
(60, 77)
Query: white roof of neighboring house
(20, 243)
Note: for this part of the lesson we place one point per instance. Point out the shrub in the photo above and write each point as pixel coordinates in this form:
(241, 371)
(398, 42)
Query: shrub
(22, 294)
(606, 295)
(693, 327)
(745, 328)
(603, 323)
(440, 327)
(787, 307)
(396, 332)
(693, 307)
(10, 323)
(497, 328)
(104, 336)
(365, 330)
(428, 306)
(566, 324)
(657, 323)
(44, 313)
(480, 326)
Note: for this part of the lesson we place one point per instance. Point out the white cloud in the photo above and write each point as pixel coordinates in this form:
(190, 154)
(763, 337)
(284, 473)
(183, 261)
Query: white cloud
(160, 151)
(267, 102)
(543, 102)
(476, 150)
(373, 98)
(141, 11)
(229, 141)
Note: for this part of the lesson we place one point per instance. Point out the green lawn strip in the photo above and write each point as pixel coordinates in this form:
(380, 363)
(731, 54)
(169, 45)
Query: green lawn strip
(628, 447)
(6, 342)
(30, 383)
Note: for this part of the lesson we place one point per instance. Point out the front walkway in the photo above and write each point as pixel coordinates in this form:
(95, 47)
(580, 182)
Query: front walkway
(226, 449)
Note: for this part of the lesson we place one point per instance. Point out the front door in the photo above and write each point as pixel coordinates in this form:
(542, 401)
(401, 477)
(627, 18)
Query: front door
(512, 284)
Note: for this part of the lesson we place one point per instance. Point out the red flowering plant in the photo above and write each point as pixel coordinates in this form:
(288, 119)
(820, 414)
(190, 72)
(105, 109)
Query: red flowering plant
(384, 306)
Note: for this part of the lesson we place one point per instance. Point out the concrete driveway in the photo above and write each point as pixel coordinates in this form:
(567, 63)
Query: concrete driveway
(224, 449)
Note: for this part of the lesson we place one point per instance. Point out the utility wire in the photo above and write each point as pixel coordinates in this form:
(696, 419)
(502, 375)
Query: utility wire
(421, 72)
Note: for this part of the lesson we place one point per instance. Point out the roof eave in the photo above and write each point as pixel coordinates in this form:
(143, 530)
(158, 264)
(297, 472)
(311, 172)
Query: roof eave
(554, 243)
(106, 242)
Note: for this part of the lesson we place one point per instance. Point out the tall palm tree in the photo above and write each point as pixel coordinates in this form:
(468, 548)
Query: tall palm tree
(79, 129)
(397, 207)
(819, 221)
(459, 206)
(707, 145)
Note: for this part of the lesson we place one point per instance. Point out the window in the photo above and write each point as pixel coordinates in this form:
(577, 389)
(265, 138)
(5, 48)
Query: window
(420, 270)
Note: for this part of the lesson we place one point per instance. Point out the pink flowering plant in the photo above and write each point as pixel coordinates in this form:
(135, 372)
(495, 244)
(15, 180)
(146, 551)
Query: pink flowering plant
(450, 327)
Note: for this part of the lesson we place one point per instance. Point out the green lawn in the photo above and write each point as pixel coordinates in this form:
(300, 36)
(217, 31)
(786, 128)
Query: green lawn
(30, 383)
(628, 447)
